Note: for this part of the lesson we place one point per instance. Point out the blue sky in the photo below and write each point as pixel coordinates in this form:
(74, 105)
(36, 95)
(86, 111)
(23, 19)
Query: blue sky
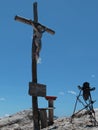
(68, 58)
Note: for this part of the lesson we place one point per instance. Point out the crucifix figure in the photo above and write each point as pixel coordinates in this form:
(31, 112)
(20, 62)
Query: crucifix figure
(38, 30)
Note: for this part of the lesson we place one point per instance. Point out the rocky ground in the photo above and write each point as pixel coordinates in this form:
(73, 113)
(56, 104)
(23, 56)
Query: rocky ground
(23, 121)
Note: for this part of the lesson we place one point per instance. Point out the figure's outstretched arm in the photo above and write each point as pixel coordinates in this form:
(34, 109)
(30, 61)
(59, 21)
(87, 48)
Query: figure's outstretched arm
(30, 22)
(92, 89)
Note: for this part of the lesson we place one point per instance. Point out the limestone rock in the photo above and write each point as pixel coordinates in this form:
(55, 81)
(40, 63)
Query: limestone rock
(23, 121)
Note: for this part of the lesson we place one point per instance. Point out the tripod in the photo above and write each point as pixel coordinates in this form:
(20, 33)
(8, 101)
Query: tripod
(87, 103)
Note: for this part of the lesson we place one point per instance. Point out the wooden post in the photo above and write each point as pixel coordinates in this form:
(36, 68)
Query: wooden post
(43, 117)
(34, 77)
(50, 105)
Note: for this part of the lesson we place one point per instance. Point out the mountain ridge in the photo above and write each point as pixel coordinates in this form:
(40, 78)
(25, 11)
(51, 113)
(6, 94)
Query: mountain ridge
(24, 121)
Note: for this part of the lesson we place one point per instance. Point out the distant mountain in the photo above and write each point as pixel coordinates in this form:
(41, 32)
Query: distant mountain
(23, 121)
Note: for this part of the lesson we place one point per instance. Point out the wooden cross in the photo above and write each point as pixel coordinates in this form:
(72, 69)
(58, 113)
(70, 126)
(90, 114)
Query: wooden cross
(37, 33)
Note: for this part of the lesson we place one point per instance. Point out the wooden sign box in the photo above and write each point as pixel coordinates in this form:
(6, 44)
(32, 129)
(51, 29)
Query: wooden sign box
(37, 89)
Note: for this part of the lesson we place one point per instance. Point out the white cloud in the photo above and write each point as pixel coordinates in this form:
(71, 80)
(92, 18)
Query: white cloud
(93, 76)
(72, 92)
(61, 93)
(6, 115)
(2, 99)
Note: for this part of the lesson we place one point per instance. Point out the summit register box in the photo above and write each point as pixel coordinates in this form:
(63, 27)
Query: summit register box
(36, 89)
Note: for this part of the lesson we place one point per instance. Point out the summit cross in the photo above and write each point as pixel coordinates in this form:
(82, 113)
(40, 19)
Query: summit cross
(38, 30)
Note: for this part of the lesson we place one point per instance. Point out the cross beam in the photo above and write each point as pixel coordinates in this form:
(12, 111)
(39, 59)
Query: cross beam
(33, 23)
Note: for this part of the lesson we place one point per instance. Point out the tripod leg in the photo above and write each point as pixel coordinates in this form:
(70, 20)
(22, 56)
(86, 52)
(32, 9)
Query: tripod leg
(91, 111)
(75, 105)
